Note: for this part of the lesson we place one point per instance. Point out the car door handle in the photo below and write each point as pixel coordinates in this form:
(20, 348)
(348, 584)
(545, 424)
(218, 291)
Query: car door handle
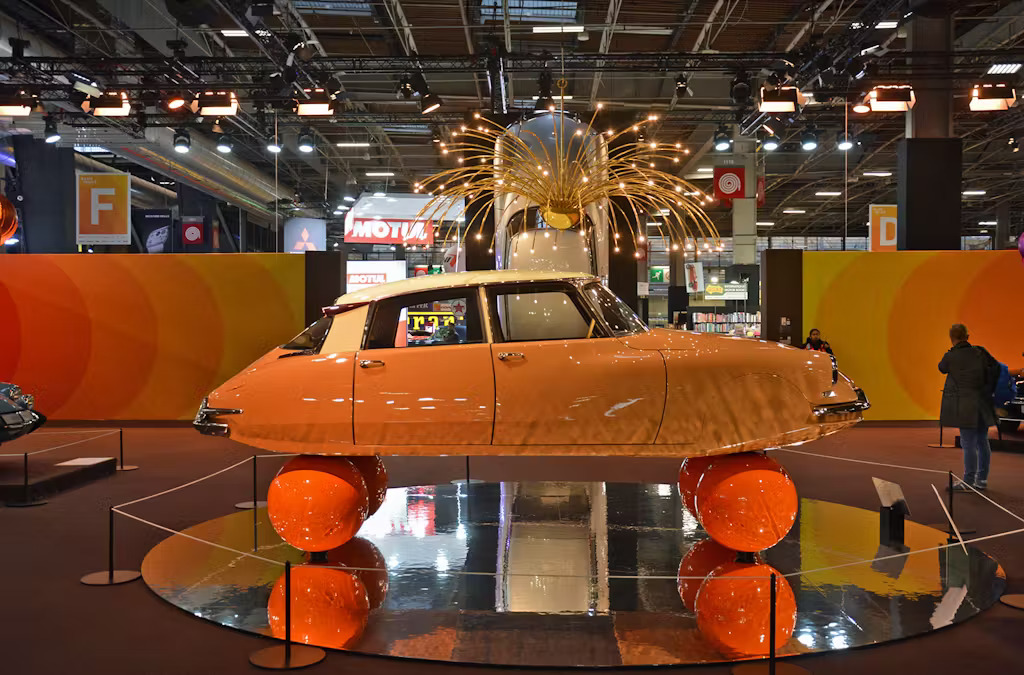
(371, 363)
(508, 356)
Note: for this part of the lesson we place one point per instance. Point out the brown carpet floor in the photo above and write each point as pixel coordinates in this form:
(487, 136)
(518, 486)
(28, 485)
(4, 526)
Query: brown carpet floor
(53, 624)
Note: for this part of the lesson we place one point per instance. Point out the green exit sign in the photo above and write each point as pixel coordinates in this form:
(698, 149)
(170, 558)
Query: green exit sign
(659, 275)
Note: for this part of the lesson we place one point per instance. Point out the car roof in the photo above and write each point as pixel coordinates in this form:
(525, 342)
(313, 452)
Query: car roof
(433, 282)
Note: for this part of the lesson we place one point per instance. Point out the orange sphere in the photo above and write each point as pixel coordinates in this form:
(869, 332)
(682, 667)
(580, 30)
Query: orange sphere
(690, 472)
(317, 503)
(329, 607)
(367, 563)
(702, 558)
(8, 219)
(375, 474)
(746, 501)
(734, 610)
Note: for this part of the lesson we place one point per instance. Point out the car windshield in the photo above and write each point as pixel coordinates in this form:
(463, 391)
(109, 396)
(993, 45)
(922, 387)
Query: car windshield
(617, 314)
(313, 337)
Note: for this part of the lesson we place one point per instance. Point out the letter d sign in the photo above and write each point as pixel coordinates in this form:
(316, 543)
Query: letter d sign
(882, 228)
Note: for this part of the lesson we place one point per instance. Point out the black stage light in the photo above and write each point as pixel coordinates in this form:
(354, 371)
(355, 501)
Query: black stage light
(809, 139)
(224, 144)
(770, 143)
(274, 145)
(182, 141)
(405, 87)
(50, 131)
(430, 102)
(723, 139)
(545, 101)
(682, 85)
(740, 89)
(306, 143)
(844, 142)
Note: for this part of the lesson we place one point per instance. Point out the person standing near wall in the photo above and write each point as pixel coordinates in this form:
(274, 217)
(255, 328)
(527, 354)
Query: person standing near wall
(815, 343)
(971, 375)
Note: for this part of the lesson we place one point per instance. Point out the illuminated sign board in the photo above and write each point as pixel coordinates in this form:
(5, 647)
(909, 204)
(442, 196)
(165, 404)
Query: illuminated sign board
(389, 231)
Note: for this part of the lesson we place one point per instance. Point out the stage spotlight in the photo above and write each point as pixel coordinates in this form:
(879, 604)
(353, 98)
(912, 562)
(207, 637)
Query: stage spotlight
(770, 143)
(306, 143)
(545, 101)
(175, 101)
(809, 139)
(225, 144)
(723, 139)
(682, 85)
(274, 145)
(405, 89)
(182, 141)
(50, 133)
(111, 104)
(740, 89)
(318, 103)
(430, 102)
(844, 142)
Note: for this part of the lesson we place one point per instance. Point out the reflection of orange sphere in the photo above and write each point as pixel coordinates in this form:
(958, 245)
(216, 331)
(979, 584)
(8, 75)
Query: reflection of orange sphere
(376, 477)
(368, 564)
(702, 558)
(690, 472)
(733, 613)
(317, 503)
(8, 219)
(329, 606)
(746, 501)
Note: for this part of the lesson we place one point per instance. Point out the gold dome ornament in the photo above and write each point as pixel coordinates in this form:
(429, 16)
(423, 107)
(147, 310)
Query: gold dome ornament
(560, 217)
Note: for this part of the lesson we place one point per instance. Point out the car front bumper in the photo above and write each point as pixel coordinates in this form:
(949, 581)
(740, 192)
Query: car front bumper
(832, 410)
(207, 422)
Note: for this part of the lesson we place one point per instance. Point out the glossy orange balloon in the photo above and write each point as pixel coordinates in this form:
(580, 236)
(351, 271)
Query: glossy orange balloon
(703, 558)
(317, 503)
(8, 219)
(329, 607)
(690, 472)
(375, 475)
(367, 563)
(734, 610)
(746, 501)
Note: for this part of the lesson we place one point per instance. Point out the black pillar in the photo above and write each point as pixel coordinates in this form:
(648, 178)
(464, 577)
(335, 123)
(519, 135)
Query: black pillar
(928, 194)
(622, 262)
(480, 234)
(325, 280)
(782, 295)
(46, 183)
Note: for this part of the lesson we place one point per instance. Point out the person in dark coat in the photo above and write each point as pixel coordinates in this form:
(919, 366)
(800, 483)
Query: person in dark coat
(971, 375)
(815, 343)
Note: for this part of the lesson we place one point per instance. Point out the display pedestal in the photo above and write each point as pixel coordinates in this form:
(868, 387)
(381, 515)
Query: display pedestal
(763, 668)
(891, 525)
(110, 578)
(287, 657)
(251, 504)
(1015, 600)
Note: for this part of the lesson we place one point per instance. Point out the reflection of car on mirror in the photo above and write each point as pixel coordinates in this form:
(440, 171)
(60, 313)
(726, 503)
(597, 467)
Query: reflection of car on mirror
(17, 414)
(522, 362)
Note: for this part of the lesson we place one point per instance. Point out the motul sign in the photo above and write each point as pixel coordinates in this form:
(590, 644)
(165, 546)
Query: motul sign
(389, 231)
(367, 279)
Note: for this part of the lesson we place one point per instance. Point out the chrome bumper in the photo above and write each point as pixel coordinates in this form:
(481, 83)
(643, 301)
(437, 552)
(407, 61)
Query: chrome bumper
(848, 408)
(205, 425)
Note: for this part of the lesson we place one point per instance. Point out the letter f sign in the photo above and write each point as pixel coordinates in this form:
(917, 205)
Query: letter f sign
(95, 205)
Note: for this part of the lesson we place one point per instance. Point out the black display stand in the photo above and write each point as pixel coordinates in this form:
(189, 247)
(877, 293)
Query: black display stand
(287, 656)
(121, 466)
(891, 524)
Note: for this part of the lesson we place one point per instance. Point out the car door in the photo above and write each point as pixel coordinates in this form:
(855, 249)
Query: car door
(562, 378)
(423, 376)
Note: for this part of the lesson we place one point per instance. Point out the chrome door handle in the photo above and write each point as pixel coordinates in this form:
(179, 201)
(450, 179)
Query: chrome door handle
(508, 356)
(371, 363)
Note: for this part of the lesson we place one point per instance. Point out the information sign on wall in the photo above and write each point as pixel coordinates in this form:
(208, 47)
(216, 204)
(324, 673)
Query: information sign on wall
(103, 208)
(658, 274)
(733, 290)
(389, 231)
(882, 227)
(365, 273)
(305, 234)
(729, 182)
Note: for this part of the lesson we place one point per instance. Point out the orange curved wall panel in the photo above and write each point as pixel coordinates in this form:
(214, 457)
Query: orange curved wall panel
(887, 317)
(140, 337)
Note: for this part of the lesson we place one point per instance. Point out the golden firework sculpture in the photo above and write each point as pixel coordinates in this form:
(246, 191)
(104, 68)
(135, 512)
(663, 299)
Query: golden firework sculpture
(585, 168)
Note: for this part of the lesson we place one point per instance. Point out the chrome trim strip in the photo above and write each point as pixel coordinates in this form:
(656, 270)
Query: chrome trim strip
(203, 423)
(860, 405)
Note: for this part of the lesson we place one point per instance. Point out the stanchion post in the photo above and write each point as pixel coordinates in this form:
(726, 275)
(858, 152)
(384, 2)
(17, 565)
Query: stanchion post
(26, 490)
(951, 496)
(255, 503)
(287, 610)
(110, 576)
(771, 628)
(255, 531)
(287, 656)
(120, 452)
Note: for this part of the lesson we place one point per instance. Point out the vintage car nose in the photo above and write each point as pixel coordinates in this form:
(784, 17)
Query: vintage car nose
(208, 420)
(831, 411)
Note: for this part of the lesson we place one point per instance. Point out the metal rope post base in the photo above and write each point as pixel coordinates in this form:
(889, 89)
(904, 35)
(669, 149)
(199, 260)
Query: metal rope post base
(121, 466)
(1015, 600)
(770, 666)
(940, 444)
(110, 577)
(254, 503)
(287, 656)
(26, 491)
(947, 527)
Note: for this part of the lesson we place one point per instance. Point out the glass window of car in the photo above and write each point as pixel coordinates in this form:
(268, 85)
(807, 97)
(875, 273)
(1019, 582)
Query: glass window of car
(618, 315)
(447, 317)
(312, 338)
(523, 313)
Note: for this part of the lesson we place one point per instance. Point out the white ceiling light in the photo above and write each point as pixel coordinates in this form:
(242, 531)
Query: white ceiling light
(1003, 68)
(878, 174)
(705, 169)
(567, 97)
(794, 211)
(353, 144)
(886, 25)
(379, 174)
(973, 193)
(234, 32)
(558, 29)
(987, 222)
(379, 194)
(765, 223)
(827, 193)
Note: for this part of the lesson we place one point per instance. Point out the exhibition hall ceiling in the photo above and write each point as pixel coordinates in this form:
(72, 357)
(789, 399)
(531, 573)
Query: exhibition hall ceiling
(382, 62)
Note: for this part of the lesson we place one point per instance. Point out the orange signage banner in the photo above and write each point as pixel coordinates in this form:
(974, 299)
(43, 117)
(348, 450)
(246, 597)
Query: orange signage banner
(882, 227)
(104, 208)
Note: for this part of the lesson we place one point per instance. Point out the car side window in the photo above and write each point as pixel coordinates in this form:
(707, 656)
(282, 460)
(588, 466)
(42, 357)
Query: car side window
(448, 317)
(525, 313)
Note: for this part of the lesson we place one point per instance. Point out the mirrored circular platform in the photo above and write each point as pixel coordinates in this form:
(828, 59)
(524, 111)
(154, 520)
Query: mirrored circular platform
(572, 574)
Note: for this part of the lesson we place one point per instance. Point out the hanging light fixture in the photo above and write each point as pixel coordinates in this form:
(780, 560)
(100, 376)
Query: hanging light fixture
(723, 139)
(682, 85)
(844, 142)
(770, 143)
(891, 98)
(111, 104)
(809, 139)
(992, 96)
(780, 99)
(306, 142)
(740, 88)
(318, 102)
(216, 104)
(224, 144)
(274, 145)
(429, 103)
(50, 132)
(545, 100)
(175, 101)
(182, 141)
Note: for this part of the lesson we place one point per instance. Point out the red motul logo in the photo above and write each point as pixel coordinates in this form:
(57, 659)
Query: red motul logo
(367, 279)
(389, 231)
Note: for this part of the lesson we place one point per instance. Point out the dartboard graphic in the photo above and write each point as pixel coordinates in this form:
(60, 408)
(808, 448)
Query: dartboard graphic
(729, 183)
